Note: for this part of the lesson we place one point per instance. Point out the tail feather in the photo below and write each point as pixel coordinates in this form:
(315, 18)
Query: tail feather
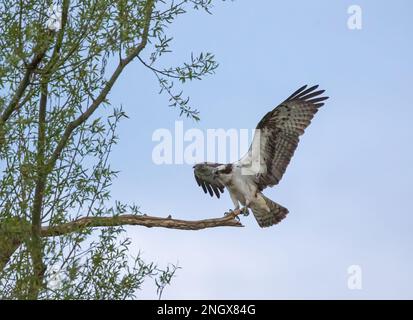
(265, 217)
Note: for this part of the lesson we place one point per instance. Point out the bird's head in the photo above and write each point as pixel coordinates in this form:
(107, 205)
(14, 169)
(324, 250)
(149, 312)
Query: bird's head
(205, 165)
(214, 169)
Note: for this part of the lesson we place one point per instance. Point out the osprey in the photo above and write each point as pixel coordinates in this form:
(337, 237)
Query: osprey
(275, 140)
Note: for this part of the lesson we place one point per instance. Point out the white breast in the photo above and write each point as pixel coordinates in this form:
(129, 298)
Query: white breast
(241, 185)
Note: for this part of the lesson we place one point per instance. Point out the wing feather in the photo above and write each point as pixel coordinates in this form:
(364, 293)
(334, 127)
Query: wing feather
(207, 180)
(277, 135)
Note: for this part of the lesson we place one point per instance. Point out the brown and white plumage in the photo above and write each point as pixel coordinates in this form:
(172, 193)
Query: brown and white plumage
(275, 141)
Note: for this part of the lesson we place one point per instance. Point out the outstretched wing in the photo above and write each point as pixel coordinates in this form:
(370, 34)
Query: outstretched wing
(206, 178)
(277, 135)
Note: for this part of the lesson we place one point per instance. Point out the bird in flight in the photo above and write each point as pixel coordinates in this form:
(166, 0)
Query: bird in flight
(274, 143)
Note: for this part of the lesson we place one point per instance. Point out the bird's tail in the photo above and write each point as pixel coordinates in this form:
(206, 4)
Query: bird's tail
(267, 212)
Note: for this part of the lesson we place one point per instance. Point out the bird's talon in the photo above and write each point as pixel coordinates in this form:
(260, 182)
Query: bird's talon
(229, 212)
(245, 212)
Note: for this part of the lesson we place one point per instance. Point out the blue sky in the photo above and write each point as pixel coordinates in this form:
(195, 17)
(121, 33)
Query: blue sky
(349, 185)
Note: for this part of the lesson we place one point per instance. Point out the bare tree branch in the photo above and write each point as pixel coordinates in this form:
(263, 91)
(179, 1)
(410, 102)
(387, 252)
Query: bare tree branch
(13, 243)
(146, 221)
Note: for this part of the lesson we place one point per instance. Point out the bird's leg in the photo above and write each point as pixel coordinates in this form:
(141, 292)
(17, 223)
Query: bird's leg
(236, 205)
(236, 209)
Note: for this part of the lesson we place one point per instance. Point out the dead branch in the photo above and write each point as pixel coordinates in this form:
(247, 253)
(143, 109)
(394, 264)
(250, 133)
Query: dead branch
(11, 242)
(143, 220)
